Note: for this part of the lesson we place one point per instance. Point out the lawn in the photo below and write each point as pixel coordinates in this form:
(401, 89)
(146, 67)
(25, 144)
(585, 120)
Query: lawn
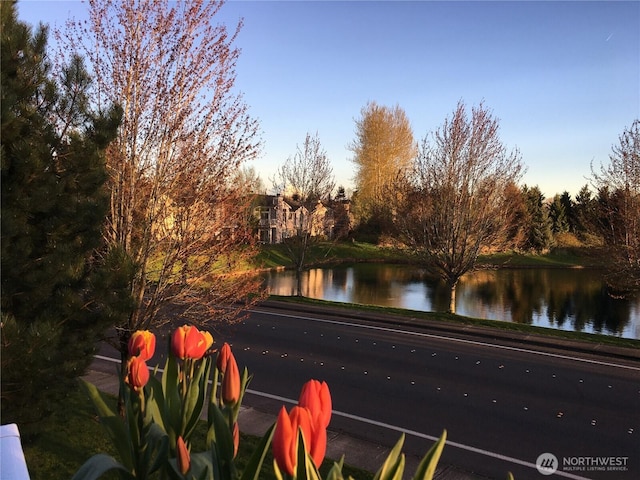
(331, 253)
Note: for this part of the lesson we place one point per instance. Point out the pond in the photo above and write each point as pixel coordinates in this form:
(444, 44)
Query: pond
(567, 299)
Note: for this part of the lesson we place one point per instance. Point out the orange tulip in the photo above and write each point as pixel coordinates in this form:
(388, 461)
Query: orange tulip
(142, 344)
(231, 382)
(183, 457)
(137, 373)
(223, 357)
(316, 397)
(285, 438)
(189, 342)
(236, 439)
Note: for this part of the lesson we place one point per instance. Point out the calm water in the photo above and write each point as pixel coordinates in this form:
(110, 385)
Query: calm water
(568, 299)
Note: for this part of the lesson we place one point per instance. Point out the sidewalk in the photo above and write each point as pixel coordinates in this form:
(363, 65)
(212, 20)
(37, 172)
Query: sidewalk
(358, 453)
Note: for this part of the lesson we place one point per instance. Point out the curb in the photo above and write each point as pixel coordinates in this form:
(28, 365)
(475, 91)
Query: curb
(477, 331)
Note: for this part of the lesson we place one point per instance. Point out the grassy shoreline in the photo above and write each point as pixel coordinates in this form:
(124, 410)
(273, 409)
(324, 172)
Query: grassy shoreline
(330, 253)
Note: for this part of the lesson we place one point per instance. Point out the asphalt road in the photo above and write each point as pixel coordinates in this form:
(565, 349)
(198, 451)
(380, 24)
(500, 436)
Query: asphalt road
(502, 402)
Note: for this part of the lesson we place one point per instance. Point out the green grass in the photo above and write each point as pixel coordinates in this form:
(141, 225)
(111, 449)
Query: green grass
(560, 258)
(327, 253)
(333, 253)
(75, 434)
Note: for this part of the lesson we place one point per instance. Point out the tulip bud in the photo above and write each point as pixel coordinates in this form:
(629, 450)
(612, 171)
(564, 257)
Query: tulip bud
(183, 457)
(189, 342)
(316, 397)
(284, 443)
(223, 357)
(285, 437)
(142, 344)
(236, 439)
(137, 373)
(231, 382)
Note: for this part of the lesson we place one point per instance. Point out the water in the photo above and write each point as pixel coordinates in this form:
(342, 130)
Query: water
(567, 299)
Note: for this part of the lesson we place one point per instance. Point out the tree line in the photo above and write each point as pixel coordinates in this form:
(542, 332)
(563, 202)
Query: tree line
(455, 194)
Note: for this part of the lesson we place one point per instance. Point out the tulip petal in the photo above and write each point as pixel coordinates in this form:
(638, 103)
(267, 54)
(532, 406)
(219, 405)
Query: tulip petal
(283, 438)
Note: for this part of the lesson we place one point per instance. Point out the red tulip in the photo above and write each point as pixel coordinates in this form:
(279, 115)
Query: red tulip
(285, 438)
(189, 342)
(137, 373)
(231, 382)
(183, 457)
(223, 357)
(142, 344)
(316, 397)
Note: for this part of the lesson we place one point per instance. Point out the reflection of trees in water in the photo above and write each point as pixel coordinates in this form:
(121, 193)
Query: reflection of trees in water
(558, 295)
(565, 298)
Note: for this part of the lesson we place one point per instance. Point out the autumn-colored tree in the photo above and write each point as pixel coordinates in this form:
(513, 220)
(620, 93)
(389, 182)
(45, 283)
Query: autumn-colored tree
(618, 185)
(454, 201)
(308, 178)
(175, 209)
(384, 146)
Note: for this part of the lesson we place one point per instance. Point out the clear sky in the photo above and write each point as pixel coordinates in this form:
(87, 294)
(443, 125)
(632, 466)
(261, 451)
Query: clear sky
(562, 77)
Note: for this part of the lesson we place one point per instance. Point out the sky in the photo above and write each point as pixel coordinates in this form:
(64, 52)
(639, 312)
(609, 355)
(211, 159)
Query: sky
(563, 78)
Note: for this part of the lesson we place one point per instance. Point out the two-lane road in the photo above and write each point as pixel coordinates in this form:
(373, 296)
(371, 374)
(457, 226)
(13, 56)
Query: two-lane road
(502, 405)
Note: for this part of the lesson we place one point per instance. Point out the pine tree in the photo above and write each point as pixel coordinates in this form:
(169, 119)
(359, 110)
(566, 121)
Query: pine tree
(53, 207)
(558, 216)
(539, 236)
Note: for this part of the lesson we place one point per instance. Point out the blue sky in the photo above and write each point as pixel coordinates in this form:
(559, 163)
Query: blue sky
(562, 77)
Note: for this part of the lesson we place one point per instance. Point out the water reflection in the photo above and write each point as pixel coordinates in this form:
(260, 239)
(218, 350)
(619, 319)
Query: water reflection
(567, 299)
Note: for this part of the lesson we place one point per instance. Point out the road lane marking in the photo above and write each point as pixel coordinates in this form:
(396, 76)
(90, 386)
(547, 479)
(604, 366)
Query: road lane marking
(388, 426)
(451, 339)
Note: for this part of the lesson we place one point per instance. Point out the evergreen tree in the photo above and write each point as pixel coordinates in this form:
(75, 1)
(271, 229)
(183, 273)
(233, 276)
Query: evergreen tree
(585, 212)
(558, 216)
(570, 210)
(539, 236)
(53, 208)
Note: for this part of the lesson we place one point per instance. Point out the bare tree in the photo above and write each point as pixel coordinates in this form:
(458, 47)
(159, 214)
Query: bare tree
(175, 211)
(455, 201)
(383, 146)
(620, 223)
(308, 178)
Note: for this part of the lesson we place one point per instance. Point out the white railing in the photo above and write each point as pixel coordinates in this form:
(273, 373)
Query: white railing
(12, 462)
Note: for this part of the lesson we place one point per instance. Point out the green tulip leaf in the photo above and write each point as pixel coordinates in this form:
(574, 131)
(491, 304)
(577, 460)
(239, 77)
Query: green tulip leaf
(252, 469)
(196, 396)
(101, 407)
(393, 462)
(336, 470)
(157, 447)
(113, 424)
(427, 468)
(100, 464)
(155, 406)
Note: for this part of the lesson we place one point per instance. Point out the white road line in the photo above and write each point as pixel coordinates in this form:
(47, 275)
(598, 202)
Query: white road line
(395, 428)
(451, 339)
